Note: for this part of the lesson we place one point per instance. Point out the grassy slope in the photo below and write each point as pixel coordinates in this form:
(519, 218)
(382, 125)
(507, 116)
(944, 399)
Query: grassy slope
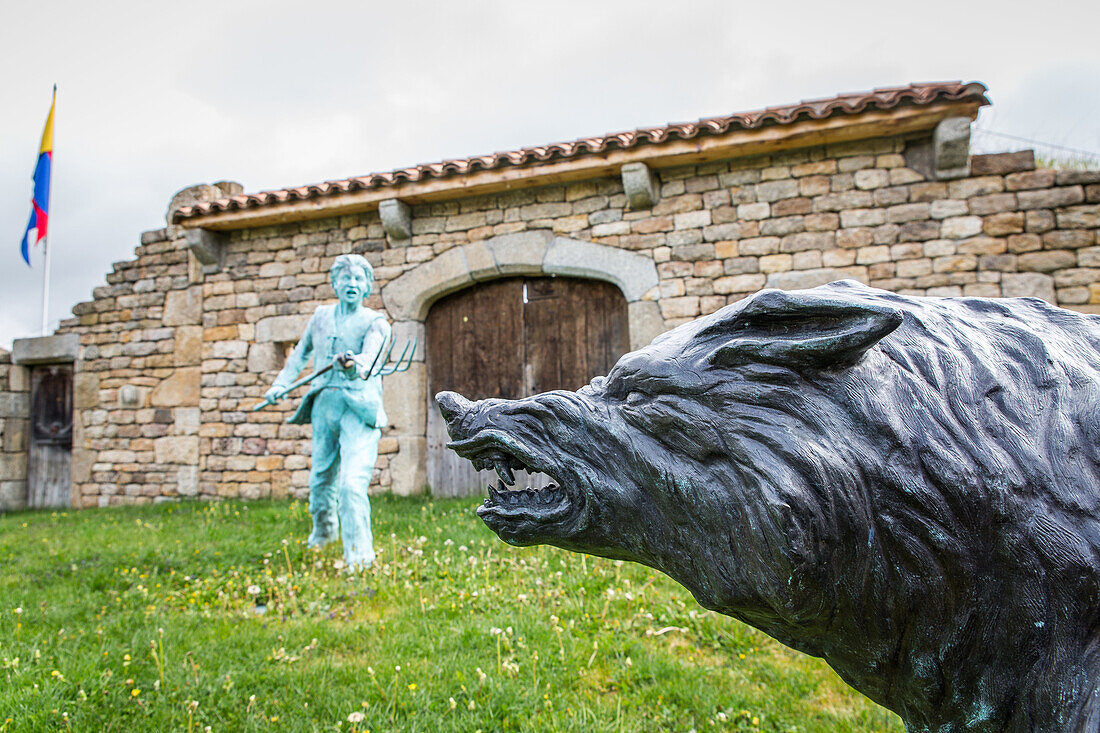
(131, 616)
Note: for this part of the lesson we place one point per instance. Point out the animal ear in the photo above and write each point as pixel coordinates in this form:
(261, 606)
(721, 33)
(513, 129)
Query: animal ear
(807, 328)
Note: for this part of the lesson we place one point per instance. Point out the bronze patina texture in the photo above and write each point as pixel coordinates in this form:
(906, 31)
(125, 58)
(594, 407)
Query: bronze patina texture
(906, 487)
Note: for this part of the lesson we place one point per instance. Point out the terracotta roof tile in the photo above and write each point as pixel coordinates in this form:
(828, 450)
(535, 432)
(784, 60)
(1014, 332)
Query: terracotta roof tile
(814, 109)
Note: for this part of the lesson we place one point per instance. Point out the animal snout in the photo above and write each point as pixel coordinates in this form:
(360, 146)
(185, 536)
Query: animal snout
(452, 406)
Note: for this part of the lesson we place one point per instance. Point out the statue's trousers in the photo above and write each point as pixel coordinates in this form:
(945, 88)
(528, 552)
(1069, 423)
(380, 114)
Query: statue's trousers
(344, 452)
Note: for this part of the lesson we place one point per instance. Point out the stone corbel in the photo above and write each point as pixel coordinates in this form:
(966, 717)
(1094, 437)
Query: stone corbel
(208, 246)
(396, 218)
(641, 186)
(951, 148)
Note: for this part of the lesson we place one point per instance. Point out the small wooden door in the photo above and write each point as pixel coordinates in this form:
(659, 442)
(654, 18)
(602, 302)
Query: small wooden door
(514, 338)
(49, 464)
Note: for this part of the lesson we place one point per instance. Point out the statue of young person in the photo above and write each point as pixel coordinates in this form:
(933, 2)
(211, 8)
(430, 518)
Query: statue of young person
(344, 407)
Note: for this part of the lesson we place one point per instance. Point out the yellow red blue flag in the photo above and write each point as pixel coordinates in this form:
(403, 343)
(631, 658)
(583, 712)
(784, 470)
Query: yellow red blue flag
(40, 199)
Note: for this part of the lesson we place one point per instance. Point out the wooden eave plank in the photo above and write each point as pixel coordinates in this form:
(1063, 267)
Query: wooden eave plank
(734, 144)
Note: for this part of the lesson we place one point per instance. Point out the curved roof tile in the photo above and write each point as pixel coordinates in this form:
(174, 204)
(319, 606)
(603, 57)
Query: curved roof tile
(814, 109)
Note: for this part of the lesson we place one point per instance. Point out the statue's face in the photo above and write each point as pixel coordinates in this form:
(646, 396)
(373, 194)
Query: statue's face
(351, 285)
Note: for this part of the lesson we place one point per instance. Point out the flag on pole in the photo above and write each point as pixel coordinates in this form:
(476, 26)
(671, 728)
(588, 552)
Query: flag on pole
(40, 200)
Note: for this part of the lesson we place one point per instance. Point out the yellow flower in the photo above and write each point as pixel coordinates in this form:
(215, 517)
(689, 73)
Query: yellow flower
(412, 686)
(135, 692)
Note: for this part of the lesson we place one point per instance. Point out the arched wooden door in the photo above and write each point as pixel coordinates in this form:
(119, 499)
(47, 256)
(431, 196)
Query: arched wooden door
(513, 338)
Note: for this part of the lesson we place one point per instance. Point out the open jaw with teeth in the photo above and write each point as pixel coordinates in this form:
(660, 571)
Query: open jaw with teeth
(509, 506)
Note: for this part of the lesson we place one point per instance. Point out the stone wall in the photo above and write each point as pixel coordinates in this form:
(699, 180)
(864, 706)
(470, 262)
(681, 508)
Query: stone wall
(175, 353)
(14, 433)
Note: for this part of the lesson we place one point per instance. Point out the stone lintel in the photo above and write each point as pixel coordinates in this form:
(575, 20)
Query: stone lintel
(951, 148)
(206, 245)
(396, 218)
(641, 185)
(60, 349)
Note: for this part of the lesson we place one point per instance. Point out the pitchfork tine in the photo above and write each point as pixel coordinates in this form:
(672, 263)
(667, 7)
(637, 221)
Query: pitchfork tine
(410, 347)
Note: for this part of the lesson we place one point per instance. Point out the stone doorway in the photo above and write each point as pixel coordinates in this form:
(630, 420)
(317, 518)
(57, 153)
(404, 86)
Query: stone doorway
(49, 463)
(513, 338)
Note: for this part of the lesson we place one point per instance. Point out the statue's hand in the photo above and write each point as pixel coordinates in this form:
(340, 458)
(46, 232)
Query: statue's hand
(346, 362)
(274, 394)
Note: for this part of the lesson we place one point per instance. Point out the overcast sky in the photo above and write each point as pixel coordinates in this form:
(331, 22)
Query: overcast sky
(154, 96)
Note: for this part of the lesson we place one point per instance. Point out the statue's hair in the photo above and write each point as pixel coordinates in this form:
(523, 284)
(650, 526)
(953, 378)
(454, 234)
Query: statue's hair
(350, 261)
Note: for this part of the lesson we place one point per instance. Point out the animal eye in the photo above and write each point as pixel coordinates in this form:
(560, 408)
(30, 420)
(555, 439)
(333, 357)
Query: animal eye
(636, 398)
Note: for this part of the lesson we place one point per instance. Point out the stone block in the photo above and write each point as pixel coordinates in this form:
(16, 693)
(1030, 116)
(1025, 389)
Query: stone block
(1024, 243)
(998, 164)
(14, 404)
(1043, 178)
(519, 253)
(981, 186)
(1050, 198)
(85, 390)
(753, 212)
(908, 212)
(1067, 239)
(871, 178)
(960, 227)
(63, 348)
(955, 263)
(807, 240)
(19, 378)
(1072, 177)
(1047, 261)
(771, 191)
(999, 225)
(13, 496)
(264, 357)
(178, 390)
(13, 430)
(801, 279)
(640, 185)
(683, 307)
(187, 480)
(748, 283)
(396, 218)
(13, 466)
(862, 218)
(1079, 217)
(774, 263)
(644, 323)
(183, 307)
(281, 328)
(1028, 285)
(207, 246)
(920, 231)
(951, 148)
(187, 348)
(946, 208)
(992, 203)
(408, 467)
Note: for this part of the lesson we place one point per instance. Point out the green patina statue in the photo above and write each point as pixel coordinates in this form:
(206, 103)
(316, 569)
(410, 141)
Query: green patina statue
(344, 404)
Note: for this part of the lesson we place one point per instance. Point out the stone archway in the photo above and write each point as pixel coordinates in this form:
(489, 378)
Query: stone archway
(409, 297)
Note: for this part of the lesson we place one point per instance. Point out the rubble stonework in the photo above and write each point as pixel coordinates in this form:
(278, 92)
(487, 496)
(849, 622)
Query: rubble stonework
(175, 353)
(14, 432)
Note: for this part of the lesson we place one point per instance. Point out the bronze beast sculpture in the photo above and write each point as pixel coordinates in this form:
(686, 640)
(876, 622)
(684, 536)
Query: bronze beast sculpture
(906, 487)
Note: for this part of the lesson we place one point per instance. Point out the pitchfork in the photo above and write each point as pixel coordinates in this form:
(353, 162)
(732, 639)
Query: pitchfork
(404, 361)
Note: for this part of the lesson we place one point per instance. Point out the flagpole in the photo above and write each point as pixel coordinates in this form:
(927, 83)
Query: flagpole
(46, 239)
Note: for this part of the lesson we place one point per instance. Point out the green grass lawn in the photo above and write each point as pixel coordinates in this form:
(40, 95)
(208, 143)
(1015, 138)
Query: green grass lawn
(183, 616)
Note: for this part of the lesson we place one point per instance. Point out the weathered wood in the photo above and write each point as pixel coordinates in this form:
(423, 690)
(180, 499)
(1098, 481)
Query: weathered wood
(49, 462)
(513, 338)
(736, 143)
